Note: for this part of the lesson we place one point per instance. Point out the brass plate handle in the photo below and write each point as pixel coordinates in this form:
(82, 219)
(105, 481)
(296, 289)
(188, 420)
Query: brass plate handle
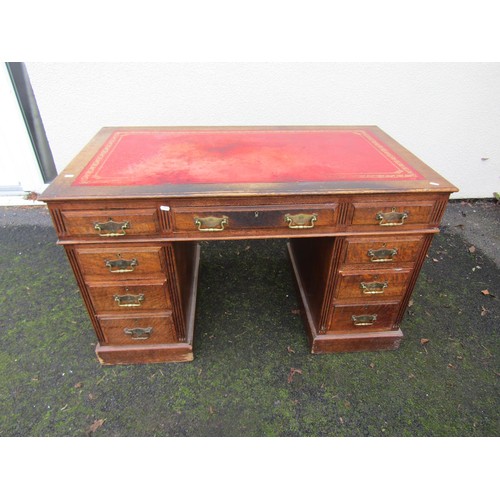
(382, 254)
(121, 265)
(373, 287)
(364, 319)
(139, 333)
(301, 221)
(392, 218)
(211, 223)
(129, 300)
(111, 228)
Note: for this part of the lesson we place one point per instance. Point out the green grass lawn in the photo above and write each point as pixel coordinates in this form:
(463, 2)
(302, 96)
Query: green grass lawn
(253, 374)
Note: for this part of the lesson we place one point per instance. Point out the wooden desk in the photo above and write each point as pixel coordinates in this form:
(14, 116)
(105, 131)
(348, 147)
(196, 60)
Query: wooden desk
(359, 211)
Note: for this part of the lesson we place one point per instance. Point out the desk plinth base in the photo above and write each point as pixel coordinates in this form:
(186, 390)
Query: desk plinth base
(352, 342)
(340, 342)
(159, 353)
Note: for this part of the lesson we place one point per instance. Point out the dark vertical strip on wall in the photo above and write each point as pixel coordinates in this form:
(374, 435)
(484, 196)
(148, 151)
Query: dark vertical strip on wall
(32, 118)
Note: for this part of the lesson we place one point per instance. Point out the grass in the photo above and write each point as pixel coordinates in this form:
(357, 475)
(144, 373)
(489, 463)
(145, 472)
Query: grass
(248, 338)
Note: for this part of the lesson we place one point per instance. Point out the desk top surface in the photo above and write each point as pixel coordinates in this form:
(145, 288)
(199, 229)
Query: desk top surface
(212, 161)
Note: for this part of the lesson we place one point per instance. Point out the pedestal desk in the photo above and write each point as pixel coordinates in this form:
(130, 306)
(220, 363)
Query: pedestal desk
(358, 209)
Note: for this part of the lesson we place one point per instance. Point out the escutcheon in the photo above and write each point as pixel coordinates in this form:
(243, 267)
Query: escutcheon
(301, 221)
(139, 333)
(373, 287)
(121, 265)
(364, 319)
(111, 228)
(382, 254)
(211, 223)
(391, 218)
(129, 300)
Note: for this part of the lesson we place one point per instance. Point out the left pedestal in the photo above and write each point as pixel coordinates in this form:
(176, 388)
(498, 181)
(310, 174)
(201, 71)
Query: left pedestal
(141, 299)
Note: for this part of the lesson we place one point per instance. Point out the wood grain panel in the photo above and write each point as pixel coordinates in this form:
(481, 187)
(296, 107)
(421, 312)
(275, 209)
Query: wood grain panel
(162, 329)
(350, 284)
(255, 218)
(361, 250)
(140, 222)
(419, 212)
(349, 318)
(112, 298)
(93, 261)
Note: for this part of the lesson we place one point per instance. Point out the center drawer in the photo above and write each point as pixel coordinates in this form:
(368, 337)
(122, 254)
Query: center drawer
(214, 220)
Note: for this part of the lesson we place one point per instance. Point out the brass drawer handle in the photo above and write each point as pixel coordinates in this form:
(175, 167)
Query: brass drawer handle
(373, 287)
(129, 300)
(111, 228)
(382, 254)
(392, 218)
(301, 221)
(364, 319)
(139, 333)
(121, 265)
(211, 223)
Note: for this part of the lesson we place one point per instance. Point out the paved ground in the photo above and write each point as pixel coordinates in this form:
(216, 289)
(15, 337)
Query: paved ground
(478, 223)
(249, 341)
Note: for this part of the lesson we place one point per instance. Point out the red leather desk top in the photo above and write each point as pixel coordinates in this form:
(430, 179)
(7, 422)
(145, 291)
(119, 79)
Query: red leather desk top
(156, 157)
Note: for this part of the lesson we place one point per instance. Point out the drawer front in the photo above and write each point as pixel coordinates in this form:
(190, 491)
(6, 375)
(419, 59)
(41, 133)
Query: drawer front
(138, 329)
(111, 224)
(372, 286)
(121, 262)
(393, 215)
(363, 317)
(380, 251)
(130, 298)
(289, 219)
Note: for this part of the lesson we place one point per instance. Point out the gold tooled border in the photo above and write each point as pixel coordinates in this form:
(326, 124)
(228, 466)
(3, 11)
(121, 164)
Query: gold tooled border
(91, 174)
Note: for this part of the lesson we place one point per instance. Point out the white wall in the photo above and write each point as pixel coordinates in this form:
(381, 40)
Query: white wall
(448, 114)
